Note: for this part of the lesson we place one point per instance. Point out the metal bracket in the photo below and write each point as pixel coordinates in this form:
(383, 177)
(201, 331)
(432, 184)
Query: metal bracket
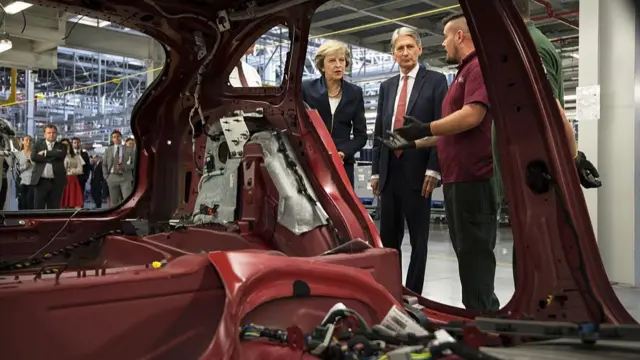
(236, 132)
(4, 222)
(223, 21)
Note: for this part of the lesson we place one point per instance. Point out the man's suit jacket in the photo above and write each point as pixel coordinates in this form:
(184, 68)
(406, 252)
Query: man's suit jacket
(97, 177)
(86, 168)
(55, 157)
(348, 115)
(128, 162)
(425, 104)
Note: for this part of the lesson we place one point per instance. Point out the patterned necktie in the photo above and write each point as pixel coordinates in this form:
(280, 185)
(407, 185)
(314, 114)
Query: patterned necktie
(402, 108)
(117, 159)
(243, 78)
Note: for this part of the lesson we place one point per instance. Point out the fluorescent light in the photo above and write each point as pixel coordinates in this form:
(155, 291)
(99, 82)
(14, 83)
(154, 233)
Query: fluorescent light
(574, 55)
(16, 6)
(5, 44)
(89, 21)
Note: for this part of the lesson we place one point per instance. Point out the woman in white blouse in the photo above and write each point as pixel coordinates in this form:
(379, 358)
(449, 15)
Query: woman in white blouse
(72, 197)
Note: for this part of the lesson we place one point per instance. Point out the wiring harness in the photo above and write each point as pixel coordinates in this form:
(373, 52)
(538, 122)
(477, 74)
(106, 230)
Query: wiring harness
(345, 335)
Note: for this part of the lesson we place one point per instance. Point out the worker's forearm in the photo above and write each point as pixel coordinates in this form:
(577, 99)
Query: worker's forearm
(426, 142)
(568, 130)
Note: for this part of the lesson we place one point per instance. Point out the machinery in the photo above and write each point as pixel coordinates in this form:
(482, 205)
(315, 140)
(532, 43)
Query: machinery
(276, 254)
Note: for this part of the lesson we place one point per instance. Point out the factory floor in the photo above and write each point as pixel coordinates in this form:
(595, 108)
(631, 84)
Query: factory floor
(442, 283)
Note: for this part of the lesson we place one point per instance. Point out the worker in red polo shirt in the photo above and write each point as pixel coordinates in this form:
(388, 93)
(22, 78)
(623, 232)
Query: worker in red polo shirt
(463, 138)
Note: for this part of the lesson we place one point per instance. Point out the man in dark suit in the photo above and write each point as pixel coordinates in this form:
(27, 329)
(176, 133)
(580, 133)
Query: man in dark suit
(97, 181)
(405, 179)
(49, 175)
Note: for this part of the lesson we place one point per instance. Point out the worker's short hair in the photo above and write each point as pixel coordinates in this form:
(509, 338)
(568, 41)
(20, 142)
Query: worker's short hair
(405, 31)
(328, 48)
(450, 18)
(524, 7)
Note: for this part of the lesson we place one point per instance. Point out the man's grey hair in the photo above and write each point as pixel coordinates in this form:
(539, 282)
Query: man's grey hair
(405, 31)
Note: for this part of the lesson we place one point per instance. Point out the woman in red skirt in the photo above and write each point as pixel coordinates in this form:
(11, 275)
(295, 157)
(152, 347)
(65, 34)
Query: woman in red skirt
(72, 197)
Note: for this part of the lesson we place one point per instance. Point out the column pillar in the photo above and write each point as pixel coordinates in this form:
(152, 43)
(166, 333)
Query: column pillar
(611, 141)
(156, 59)
(30, 78)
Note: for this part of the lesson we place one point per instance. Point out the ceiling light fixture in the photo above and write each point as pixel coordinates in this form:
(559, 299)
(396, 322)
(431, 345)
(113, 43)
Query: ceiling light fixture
(5, 43)
(16, 6)
(89, 21)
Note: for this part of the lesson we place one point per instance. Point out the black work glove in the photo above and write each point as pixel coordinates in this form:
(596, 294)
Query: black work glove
(413, 129)
(396, 142)
(587, 173)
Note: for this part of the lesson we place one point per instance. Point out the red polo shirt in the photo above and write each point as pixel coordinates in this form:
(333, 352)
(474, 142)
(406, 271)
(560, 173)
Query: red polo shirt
(466, 156)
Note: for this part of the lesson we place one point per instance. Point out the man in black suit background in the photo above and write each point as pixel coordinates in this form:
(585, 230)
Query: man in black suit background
(97, 181)
(49, 175)
(405, 179)
(86, 168)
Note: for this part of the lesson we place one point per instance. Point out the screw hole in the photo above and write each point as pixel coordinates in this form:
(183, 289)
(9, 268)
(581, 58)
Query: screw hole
(518, 109)
(505, 58)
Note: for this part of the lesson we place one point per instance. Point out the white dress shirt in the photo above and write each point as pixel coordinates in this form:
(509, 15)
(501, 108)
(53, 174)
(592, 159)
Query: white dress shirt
(410, 81)
(250, 73)
(47, 173)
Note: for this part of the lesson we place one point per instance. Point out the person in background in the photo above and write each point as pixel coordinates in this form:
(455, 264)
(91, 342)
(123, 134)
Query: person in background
(463, 139)
(26, 191)
(97, 181)
(245, 75)
(130, 143)
(405, 179)
(72, 196)
(339, 102)
(4, 186)
(86, 168)
(49, 174)
(552, 65)
(117, 167)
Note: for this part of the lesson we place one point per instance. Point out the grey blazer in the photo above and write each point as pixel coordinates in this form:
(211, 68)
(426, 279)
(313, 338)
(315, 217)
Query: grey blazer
(108, 162)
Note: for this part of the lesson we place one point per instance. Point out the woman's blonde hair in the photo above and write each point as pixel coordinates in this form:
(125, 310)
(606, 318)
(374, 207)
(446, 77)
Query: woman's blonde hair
(328, 48)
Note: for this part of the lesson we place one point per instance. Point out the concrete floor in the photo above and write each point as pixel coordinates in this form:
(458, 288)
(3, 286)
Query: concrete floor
(442, 283)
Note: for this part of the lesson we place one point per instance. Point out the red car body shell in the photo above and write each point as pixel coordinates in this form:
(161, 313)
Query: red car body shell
(108, 303)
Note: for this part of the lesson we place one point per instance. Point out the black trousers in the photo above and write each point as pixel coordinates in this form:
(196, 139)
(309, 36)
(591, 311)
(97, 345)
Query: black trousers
(471, 212)
(26, 197)
(97, 193)
(349, 169)
(48, 194)
(4, 187)
(398, 203)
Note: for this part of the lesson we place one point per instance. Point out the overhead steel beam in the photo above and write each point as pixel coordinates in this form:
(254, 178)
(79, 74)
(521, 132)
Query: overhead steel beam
(113, 42)
(385, 14)
(21, 56)
(38, 28)
(388, 5)
(348, 39)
